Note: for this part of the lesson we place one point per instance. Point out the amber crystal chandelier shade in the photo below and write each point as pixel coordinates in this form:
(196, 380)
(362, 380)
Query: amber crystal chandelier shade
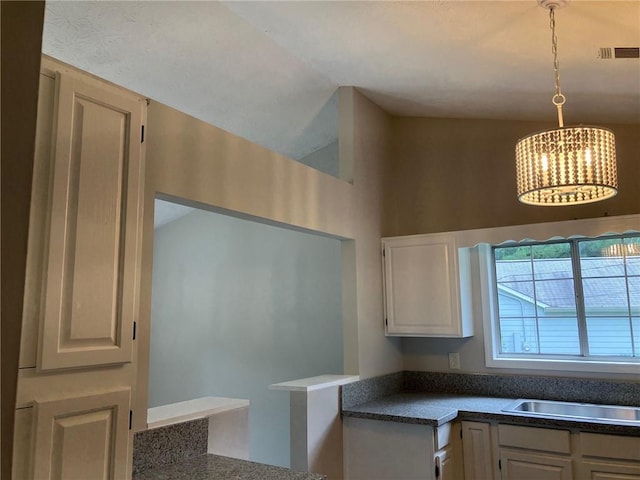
(567, 165)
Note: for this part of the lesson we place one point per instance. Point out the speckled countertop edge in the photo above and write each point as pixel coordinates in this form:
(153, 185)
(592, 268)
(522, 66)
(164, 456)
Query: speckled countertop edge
(217, 467)
(436, 410)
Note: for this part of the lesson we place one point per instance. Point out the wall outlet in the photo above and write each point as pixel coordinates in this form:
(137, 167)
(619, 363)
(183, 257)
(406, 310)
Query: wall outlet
(454, 361)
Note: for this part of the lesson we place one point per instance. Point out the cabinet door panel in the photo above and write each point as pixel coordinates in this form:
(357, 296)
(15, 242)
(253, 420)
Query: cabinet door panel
(594, 470)
(421, 286)
(446, 465)
(82, 437)
(90, 292)
(610, 446)
(476, 451)
(529, 466)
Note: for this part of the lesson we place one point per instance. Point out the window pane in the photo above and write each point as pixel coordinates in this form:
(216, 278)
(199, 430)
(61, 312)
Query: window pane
(511, 269)
(513, 253)
(635, 322)
(601, 258)
(555, 294)
(592, 267)
(634, 294)
(552, 261)
(518, 335)
(604, 296)
(515, 299)
(609, 336)
(551, 250)
(620, 247)
(559, 335)
(632, 250)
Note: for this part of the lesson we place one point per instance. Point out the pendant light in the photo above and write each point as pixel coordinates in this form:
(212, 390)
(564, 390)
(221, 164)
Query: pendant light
(567, 165)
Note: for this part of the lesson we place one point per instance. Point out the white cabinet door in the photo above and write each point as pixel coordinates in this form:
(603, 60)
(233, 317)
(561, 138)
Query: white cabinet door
(82, 437)
(610, 470)
(90, 294)
(539, 453)
(421, 287)
(520, 465)
(447, 466)
(476, 451)
(380, 450)
(610, 457)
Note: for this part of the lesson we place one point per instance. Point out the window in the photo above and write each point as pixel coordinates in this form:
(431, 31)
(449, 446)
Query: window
(569, 300)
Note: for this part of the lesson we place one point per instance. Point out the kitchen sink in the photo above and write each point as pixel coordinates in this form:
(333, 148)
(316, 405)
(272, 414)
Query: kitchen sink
(576, 410)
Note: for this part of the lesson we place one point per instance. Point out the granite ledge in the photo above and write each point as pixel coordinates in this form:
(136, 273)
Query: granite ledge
(217, 467)
(436, 410)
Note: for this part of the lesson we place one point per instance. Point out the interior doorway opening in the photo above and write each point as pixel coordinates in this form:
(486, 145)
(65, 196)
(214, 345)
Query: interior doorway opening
(238, 305)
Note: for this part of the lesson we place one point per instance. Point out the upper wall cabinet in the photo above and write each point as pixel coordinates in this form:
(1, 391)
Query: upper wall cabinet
(422, 287)
(93, 229)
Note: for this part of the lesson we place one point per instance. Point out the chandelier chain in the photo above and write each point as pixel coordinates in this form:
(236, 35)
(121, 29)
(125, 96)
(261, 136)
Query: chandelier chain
(558, 99)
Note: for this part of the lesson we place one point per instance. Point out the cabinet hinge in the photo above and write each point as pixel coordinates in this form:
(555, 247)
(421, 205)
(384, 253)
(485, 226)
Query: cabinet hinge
(386, 322)
(383, 253)
(499, 464)
(130, 419)
(437, 471)
(142, 134)
(460, 433)
(135, 329)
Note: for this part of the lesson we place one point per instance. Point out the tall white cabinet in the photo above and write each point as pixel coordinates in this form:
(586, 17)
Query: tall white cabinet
(81, 295)
(426, 287)
(90, 291)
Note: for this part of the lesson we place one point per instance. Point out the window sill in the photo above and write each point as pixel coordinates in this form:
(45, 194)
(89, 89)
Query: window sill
(570, 365)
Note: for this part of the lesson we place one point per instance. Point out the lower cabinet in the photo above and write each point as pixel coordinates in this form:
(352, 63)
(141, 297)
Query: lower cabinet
(517, 465)
(599, 470)
(390, 451)
(609, 457)
(477, 450)
(494, 451)
(532, 453)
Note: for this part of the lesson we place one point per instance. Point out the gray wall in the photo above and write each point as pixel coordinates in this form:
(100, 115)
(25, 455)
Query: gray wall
(237, 306)
(324, 159)
(449, 174)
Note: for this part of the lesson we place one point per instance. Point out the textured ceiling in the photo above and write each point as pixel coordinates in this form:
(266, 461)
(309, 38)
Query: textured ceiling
(268, 70)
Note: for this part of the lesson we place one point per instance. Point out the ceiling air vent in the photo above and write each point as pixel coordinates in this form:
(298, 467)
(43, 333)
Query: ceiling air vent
(607, 53)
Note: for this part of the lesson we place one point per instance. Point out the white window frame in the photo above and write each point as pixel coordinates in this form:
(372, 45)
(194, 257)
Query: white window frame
(488, 296)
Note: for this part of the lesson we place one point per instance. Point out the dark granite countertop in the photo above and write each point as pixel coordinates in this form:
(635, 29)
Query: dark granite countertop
(436, 410)
(216, 467)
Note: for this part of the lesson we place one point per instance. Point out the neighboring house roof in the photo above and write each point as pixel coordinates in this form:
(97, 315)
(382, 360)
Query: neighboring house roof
(604, 283)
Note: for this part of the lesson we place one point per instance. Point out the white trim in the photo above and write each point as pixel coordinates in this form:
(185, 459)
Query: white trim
(314, 383)
(482, 240)
(192, 410)
(590, 227)
(563, 365)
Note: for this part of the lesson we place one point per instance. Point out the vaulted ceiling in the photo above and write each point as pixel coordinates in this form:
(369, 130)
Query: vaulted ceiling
(268, 70)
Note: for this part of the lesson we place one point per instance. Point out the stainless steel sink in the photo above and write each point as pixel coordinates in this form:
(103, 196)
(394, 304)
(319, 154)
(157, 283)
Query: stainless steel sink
(576, 410)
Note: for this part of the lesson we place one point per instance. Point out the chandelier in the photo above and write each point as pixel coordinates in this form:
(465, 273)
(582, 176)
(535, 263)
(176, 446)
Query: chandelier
(568, 165)
(622, 250)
